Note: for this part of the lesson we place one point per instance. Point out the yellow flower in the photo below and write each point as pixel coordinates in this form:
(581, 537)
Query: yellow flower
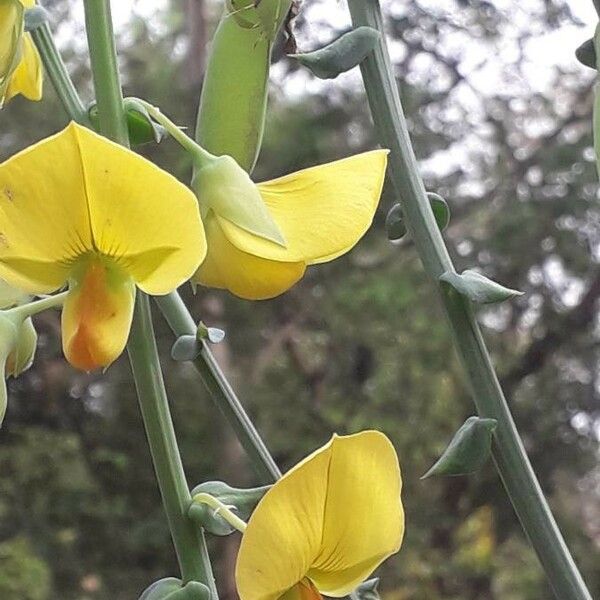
(78, 209)
(326, 525)
(20, 62)
(320, 213)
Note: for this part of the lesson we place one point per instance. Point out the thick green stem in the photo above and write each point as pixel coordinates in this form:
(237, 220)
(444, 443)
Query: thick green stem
(181, 323)
(509, 455)
(186, 142)
(187, 537)
(107, 83)
(57, 71)
(143, 354)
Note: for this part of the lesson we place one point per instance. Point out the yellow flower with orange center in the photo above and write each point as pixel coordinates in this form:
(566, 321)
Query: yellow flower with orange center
(326, 524)
(77, 209)
(20, 62)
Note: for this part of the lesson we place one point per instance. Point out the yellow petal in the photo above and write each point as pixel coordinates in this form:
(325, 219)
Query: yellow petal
(322, 211)
(363, 516)
(141, 216)
(244, 275)
(284, 532)
(27, 78)
(11, 28)
(44, 220)
(97, 313)
(333, 518)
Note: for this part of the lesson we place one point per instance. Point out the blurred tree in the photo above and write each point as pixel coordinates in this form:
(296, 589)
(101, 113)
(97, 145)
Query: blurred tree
(361, 342)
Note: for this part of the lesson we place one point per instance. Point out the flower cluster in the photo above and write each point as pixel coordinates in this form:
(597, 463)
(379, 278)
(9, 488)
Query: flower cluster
(102, 220)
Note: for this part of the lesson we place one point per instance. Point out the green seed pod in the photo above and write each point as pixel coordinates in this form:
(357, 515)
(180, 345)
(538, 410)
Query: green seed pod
(233, 102)
(244, 502)
(171, 588)
(468, 450)
(343, 54)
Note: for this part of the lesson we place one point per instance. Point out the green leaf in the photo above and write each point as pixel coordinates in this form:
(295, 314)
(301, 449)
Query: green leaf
(140, 126)
(212, 334)
(142, 129)
(244, 501)
(441, 210)
(171, 588)
(586, 54)
(186, 348)
(367, 590)
(478, 288)
(468, 451)
(394, 223)
(343, 54)
(35, 17)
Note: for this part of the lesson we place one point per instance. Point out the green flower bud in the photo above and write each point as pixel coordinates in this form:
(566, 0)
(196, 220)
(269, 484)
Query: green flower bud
(223, 186)
(21, 357)
(9, 328)
(11, 31)
(233, 102)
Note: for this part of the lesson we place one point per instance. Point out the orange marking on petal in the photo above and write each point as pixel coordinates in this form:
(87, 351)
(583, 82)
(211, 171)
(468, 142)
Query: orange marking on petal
(97, 315)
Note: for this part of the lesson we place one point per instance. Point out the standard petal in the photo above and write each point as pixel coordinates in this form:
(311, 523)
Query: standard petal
(27, 79)
(44, 221)
(322, 211)
(284, 533)
(141, 216)
(363, 516)
(97, 313)
(244, 275)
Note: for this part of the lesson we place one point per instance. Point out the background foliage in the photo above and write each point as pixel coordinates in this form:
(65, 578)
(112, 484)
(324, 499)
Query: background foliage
(358, 343)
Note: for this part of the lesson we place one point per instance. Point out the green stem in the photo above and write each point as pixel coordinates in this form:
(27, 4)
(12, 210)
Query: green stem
(57, 71)
(509, 455)
(187, 537)
(184, 140)
(181, 323)
(189, 541)
(107, 83)
(33, 308)
(222, 510)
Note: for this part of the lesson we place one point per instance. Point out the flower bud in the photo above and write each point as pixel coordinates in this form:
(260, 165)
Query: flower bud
(223, 186)
(21, 357)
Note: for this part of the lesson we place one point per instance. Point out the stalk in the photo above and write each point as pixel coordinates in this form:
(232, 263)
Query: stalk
(59, 76)
(188, 540)
(181, 323)
(509, 455)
